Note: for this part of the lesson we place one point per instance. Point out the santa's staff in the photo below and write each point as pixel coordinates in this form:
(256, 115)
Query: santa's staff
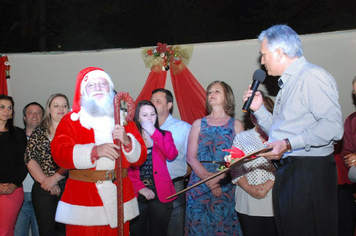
(129, 117)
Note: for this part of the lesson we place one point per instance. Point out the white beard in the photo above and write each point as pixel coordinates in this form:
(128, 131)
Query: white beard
(99, 108)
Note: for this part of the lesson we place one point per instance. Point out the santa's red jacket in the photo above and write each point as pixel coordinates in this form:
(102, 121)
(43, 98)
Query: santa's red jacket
(85, 203)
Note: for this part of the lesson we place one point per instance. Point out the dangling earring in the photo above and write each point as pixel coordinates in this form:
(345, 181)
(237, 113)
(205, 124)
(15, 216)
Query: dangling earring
(10, 117)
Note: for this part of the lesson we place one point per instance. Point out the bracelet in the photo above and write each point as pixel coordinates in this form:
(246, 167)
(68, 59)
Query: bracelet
(54, 176)
(289, 147)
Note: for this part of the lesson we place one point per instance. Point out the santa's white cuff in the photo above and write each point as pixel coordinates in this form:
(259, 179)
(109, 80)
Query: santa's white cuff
(82, 156)
(135, 152)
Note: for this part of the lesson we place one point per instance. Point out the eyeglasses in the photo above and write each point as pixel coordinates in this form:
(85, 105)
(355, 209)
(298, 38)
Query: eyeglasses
(97, 85)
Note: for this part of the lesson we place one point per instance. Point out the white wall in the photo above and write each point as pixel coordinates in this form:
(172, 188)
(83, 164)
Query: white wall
(35, 76)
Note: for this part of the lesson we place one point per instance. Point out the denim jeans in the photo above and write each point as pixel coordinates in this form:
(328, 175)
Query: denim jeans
(26, 218)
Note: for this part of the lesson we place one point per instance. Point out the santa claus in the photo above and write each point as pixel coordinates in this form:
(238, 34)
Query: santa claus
(84, 144)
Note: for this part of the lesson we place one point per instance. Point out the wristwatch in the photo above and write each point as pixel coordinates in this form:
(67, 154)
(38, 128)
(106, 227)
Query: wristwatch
(289, 147)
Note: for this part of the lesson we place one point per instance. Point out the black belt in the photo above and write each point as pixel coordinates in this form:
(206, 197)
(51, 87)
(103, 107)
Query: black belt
(177, 179)
(214, 162)
(285, 161)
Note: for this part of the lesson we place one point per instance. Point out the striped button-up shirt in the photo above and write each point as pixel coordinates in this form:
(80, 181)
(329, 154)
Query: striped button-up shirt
(307, 111)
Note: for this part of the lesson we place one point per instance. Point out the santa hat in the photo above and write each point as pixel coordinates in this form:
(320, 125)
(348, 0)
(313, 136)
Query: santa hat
(82, 80)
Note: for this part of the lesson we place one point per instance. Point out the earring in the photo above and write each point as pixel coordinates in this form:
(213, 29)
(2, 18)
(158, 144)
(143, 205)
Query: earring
(10, 117)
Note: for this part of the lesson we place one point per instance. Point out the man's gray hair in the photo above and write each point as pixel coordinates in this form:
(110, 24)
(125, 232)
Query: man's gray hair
(282, 37)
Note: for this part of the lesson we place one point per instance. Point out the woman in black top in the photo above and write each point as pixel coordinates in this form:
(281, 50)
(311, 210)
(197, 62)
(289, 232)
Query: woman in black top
(12, 167)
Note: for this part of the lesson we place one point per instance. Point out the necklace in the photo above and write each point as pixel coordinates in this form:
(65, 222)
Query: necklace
(145, 137)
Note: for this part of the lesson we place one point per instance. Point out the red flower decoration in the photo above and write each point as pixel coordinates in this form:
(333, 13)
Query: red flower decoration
(235, 152)
(177, 62)
(161, 47)
(150, 52)
(170, 50)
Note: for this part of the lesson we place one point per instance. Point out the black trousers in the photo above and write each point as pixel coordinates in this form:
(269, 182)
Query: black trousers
(347, 210)
(153, 219)
(305, 197)
(45, 206)
(257, 225)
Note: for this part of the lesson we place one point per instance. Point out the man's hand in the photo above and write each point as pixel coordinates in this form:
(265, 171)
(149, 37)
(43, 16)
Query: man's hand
(120, 134)
(148, 193)
(108, 150)
(279, 148)
(257, 100)
(350, 160)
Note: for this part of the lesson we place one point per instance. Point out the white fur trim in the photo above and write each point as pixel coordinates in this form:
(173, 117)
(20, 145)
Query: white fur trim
(82, 156)
(80, 215)
(107, 191)
(74, 116)
(89, 216)
(131, 209)
(95, 74)
(135, 153)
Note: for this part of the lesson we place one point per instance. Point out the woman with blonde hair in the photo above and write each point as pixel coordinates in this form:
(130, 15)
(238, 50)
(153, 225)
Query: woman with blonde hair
(49, 177)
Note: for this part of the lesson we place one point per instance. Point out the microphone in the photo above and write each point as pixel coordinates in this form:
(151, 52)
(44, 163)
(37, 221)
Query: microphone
(258, 77)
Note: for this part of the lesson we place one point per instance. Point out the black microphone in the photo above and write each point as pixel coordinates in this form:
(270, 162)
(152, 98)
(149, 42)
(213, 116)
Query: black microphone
(258, 77)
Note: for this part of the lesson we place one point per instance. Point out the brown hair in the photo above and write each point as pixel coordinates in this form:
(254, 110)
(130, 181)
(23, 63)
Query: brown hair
(10, 122)
(269, 103)
(229, 101)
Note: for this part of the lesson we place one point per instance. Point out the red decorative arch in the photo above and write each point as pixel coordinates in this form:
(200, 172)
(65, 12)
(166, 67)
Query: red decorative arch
(3, 68)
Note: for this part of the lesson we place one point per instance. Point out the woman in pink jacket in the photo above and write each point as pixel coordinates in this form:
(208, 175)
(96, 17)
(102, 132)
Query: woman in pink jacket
(151, 181)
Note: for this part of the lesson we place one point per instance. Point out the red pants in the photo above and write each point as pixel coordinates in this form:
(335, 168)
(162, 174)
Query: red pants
(106, 230)
(10, 206)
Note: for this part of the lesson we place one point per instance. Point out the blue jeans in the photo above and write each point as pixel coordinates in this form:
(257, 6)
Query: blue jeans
(26, 218)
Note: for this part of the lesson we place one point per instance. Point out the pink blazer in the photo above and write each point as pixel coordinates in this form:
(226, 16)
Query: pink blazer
(163, 149)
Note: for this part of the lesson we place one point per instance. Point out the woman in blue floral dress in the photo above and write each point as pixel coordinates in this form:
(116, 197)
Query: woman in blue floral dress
(210, 206)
